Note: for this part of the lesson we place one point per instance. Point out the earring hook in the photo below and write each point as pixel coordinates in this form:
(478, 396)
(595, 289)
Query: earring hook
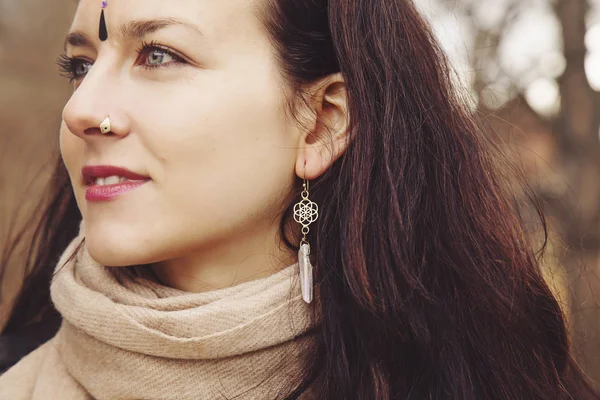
(305, 181)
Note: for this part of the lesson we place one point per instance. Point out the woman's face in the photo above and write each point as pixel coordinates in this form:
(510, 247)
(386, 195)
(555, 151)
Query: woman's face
(196, 105)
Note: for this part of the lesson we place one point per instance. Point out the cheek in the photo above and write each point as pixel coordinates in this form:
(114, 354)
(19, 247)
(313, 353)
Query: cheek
(224, 128)
(225, 157)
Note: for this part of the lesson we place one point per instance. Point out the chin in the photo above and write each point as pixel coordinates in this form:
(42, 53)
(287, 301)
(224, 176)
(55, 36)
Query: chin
(117, 251)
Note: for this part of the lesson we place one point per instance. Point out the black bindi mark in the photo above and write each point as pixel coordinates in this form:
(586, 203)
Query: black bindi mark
(103, 32)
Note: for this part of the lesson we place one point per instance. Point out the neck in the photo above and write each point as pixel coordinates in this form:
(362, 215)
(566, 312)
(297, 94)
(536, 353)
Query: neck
(247, 256)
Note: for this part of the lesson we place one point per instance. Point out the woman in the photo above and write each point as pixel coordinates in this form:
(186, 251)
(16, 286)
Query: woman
(216, 152)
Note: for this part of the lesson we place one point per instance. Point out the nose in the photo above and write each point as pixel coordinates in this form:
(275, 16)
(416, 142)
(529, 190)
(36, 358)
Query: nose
(93, 111)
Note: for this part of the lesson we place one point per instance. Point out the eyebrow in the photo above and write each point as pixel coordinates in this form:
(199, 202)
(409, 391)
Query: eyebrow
(131, 31)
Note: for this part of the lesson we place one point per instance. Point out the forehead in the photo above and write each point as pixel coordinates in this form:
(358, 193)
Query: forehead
(217, 19)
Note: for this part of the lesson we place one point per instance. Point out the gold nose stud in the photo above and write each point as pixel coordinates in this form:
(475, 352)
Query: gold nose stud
(105, 125)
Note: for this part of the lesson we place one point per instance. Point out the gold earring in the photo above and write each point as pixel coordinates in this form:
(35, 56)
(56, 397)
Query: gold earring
(105, 125)
(305, 213)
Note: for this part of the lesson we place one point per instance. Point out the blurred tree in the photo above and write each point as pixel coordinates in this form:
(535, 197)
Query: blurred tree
(541, 98)
(576, 130)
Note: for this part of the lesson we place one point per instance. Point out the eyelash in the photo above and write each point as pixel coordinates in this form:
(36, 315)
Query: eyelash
(68, 65)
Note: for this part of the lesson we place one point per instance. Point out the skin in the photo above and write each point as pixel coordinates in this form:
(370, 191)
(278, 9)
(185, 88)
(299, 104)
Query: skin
(212, 133)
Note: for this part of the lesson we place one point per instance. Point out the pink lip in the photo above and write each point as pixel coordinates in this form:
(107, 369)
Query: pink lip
(95, 192)
(109, 192)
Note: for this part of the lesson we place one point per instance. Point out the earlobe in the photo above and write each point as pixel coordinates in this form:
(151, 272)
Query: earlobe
(328, 140)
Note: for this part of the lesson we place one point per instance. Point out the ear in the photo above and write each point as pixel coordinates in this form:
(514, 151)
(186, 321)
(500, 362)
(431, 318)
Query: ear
(328, 136)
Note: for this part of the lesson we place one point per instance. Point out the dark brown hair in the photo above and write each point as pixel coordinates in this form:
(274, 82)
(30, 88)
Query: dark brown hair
(429, 287)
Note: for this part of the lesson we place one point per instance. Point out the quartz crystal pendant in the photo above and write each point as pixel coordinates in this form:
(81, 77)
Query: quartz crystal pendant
(306, 273)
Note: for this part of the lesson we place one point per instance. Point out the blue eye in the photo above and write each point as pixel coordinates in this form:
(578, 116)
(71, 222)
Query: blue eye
(150, 55)
(73, 68)
(154, 55)
(158, 57)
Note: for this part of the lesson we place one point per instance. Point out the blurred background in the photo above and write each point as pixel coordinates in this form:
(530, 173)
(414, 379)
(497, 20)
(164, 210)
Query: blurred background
(531, 68)
(32, 95)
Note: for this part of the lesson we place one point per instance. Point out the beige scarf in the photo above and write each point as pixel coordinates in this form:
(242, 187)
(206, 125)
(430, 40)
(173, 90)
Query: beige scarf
(127, 337)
